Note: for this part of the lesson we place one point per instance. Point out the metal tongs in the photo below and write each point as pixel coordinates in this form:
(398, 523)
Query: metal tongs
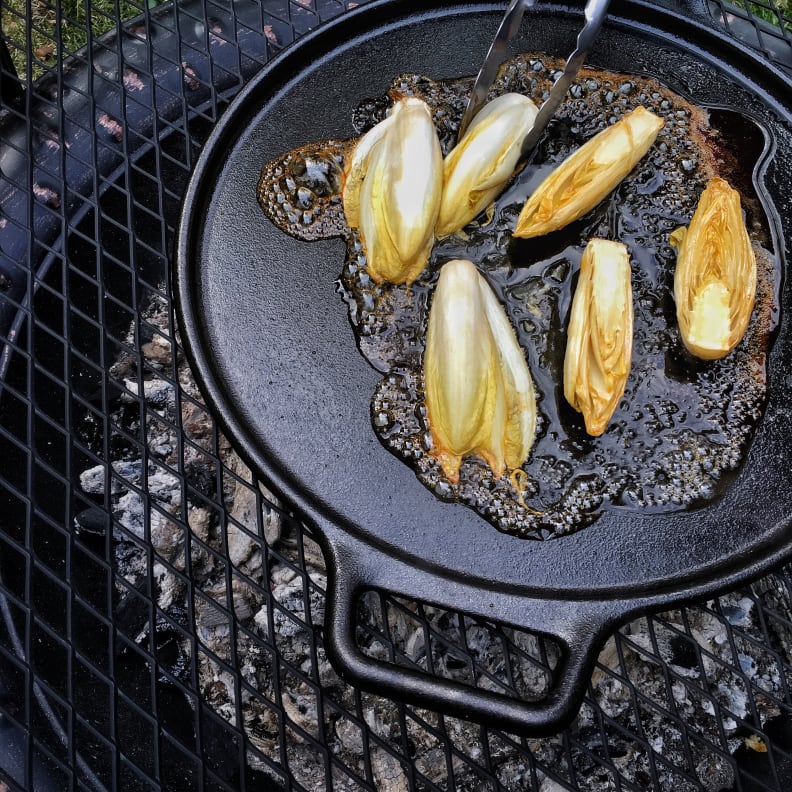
(595, 12)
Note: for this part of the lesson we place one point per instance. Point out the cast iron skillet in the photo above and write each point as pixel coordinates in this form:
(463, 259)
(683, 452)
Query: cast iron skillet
(272, 346)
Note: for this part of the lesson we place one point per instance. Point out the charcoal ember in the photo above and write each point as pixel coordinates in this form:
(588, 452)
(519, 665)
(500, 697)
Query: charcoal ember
(93, 520)
(166, 534)
(296, 541)
(350, 735)
(251, 515)
(534, 666)
(130, 516)
(261, 620)
(739, 612)
(774, 592)
(200, 475)
(389, 772)
(131, 613)
(300, 708)
(673, 647)
(95, 480)
(715, 774)
(290, 618)
(158, 352)
(683, 652)
(197, 424)
(201, 523)
(170, 587)
(313, 555)
(156, 392)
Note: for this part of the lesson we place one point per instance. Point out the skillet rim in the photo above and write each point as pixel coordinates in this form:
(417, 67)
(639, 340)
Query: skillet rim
(738, 568)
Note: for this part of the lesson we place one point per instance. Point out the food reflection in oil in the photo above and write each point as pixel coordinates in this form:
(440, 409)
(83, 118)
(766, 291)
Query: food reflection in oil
(683, 425)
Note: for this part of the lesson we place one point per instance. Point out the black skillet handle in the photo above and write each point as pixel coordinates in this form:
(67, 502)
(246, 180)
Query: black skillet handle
(580, 626)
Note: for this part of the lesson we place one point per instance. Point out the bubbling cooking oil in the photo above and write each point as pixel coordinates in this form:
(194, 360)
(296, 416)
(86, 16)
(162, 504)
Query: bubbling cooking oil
(683, 425)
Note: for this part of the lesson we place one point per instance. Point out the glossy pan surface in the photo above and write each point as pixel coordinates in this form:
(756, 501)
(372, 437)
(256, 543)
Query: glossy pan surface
(273, 349)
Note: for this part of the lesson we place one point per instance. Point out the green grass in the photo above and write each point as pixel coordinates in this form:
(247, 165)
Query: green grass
(52, 37)
(764, 10)
(56, 35)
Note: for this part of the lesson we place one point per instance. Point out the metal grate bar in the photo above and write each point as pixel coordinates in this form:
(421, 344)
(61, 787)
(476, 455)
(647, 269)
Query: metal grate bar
(161, 612)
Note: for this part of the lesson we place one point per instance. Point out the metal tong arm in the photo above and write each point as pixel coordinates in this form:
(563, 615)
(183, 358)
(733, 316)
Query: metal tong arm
(595, 12)
(507, 30)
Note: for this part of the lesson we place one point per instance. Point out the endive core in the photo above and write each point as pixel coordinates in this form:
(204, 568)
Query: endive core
(715, 276)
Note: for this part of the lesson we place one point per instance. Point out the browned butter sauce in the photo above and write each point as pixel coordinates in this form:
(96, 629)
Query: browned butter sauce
(683, 425)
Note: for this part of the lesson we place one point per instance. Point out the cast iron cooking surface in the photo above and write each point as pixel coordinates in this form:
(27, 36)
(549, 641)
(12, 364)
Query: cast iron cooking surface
(272, 344)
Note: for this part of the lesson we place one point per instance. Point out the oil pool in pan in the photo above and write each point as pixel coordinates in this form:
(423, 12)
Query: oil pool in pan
(683, 424)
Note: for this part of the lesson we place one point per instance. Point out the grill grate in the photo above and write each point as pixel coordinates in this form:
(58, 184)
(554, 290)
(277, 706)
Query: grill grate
(764, 25)
(160, 612)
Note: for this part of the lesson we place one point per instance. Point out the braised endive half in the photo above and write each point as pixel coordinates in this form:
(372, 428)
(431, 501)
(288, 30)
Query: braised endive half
(600, 334)
(479, 393)
(715, 277)
(585, 177)
(478, 167)
(391, 194)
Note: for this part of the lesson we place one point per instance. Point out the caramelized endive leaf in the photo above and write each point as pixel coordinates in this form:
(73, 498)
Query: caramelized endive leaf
(479, 393)
(584, 178)
(600, 334)
(715, 277)
(392, 188)
(484, 160)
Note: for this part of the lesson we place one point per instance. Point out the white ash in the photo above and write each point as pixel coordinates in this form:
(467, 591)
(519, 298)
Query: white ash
(94, 480)
(388, 771)
(158, 393)
(259, 601)
(247, 510)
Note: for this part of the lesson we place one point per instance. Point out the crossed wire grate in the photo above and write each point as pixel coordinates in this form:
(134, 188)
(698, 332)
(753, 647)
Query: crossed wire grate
(764, 24)
(160, 611)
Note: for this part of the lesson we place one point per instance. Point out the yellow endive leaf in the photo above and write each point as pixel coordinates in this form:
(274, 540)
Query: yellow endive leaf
(392, 188)
(584, 178)
(600, 334)
(484, 160)
(479, 393)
